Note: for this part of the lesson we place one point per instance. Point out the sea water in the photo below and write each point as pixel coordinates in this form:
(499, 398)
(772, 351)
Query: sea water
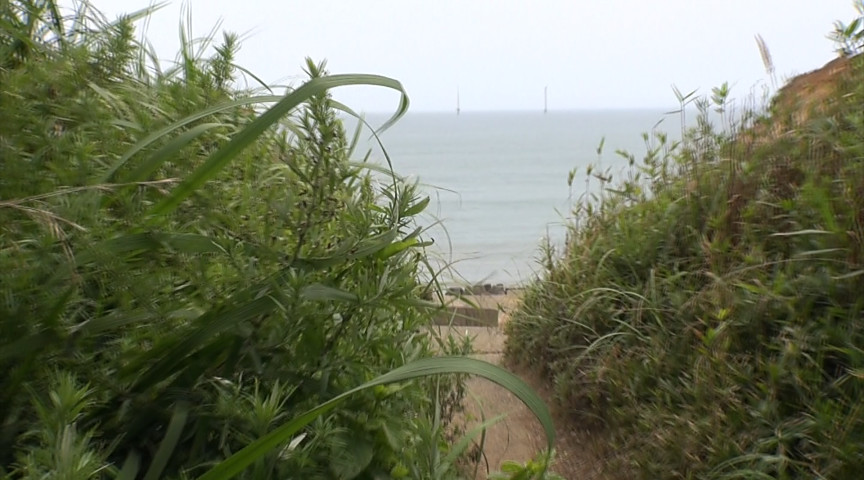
(498, 180)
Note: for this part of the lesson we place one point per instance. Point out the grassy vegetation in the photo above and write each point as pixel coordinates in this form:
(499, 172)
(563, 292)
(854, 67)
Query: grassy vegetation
(707, 312)
(193, 277)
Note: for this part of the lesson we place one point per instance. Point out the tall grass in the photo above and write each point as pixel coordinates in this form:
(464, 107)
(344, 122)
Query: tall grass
(195, 280)
(707, 311)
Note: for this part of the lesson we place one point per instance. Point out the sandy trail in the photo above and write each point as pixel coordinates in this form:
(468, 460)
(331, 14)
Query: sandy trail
(519, 437)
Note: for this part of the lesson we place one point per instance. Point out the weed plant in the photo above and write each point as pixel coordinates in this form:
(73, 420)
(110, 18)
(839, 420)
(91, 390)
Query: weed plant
(193, 276)
(707, 309)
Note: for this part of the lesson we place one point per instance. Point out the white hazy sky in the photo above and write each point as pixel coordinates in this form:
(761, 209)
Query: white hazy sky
(500, 54)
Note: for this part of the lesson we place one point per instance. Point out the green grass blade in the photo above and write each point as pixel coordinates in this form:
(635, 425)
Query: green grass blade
(169, 359)
(373, 167)
(169, 442)
(396, 247)
(220, 158)
(253, 77)
(141, 13)
(158, 134)
(175, 145)
(462, 445)
(420, 368)
(417, 208)
(318, 292)
(135, 244)
(375, 244)
(130, 467)
(26, 345)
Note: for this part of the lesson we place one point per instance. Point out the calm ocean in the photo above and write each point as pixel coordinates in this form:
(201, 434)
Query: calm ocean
(498, 181)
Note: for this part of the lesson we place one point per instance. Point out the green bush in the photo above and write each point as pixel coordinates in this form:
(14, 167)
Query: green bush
(183, 271)
(707, 311)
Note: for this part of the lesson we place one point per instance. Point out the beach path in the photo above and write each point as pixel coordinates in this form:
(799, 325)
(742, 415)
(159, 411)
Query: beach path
(519, 436)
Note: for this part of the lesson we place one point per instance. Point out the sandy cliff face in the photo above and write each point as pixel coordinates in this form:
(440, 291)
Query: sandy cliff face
(812, 93)
(802, 98)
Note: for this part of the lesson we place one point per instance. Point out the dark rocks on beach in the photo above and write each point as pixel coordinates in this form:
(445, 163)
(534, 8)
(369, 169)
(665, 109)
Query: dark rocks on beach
(484, 289)
(488, 289)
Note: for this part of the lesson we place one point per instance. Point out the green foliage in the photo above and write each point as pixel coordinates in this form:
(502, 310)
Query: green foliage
(707, 309)
(193, 278)
(849, 39)
(535, 469)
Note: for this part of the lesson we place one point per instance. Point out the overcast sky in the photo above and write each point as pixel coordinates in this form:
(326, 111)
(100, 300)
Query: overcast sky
(500, 54)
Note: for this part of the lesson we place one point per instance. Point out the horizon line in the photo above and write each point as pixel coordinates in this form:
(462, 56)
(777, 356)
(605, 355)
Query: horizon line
(524, 110)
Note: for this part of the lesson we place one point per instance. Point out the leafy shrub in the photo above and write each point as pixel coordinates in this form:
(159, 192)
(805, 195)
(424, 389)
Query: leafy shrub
(849, 39)
(707, 311)
(182, 272)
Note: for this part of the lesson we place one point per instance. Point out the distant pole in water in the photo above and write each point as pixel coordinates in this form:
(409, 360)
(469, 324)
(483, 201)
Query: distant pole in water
(457, 101)
(545, 99)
